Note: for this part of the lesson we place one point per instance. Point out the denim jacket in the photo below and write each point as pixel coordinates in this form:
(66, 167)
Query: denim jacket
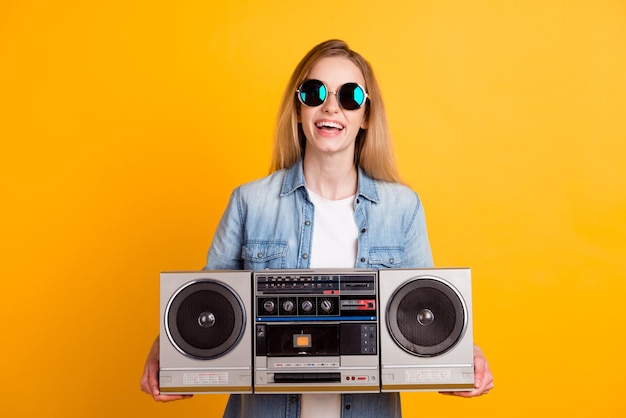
(268, 223)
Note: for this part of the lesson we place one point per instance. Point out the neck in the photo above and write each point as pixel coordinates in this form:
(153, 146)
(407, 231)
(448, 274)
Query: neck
(330, 179)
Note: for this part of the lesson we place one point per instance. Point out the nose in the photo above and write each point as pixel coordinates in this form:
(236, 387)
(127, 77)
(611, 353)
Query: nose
(331, 104)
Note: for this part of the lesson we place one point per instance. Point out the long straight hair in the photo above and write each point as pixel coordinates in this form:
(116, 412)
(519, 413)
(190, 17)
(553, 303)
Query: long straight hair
(373, 149)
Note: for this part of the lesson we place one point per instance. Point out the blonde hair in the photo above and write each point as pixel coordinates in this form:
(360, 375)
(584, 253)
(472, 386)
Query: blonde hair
(373, 150)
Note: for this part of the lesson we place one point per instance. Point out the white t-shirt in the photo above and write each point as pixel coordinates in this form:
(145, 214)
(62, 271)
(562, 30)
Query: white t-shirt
(334, 246)
(335, 233)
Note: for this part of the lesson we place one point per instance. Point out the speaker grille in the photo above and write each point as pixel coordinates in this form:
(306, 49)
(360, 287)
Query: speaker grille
(205, 319)
(426, 316)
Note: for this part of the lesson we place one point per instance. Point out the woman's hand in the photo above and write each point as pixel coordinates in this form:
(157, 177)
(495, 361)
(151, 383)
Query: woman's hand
(483, 379)
(150, 378)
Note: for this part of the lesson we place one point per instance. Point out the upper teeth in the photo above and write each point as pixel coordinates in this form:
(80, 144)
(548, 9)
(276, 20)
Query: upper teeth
(328, 125)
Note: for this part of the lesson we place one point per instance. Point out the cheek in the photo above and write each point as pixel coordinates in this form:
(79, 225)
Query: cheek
(361, 119)
(304, 114)
(299, 112)
(305, 118)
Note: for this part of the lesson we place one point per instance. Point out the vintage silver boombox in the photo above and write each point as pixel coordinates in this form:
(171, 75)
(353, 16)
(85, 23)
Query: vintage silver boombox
(316, 331)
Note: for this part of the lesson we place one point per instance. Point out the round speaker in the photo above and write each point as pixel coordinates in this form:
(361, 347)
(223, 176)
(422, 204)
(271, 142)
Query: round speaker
(426, 316)
(205, 319)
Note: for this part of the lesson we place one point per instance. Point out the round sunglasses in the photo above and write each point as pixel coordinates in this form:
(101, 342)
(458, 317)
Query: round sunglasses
(350, 96)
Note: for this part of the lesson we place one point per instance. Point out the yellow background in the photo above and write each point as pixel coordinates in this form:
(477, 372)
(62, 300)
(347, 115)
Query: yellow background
(124, 125)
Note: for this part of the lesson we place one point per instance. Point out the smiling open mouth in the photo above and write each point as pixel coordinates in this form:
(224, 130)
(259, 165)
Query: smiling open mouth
(329, 126)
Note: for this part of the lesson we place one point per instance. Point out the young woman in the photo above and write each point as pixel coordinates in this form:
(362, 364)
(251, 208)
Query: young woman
(333, 200)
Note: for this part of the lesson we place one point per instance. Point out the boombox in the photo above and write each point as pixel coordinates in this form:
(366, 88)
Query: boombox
(316, 331)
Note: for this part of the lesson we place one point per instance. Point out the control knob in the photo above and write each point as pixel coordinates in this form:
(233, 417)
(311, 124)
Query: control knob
(288, 306)
(307, 306)
(269, 306)
(326, 306)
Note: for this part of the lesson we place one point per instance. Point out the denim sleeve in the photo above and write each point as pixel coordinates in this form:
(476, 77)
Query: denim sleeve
(417, 251)
(225, 251)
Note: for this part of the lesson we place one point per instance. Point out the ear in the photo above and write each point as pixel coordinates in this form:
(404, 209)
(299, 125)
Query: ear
(365, 122)
(366, 115)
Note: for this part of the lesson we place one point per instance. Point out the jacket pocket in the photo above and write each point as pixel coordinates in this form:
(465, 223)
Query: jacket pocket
(259, 255)
(386, 257)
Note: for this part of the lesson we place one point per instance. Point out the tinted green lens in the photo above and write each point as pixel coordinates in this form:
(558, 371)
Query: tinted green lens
(351, 96)
(312, 93)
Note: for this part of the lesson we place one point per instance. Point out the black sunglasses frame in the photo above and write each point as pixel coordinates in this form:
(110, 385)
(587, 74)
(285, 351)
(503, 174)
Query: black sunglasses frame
(346, 90)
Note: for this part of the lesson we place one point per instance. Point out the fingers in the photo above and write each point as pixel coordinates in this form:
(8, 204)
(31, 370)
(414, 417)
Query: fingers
(170, 398)
(150, 378)
(483, 378)
(150, 385)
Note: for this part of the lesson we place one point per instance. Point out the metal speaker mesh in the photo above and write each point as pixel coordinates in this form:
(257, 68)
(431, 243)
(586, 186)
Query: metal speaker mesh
(426, 316)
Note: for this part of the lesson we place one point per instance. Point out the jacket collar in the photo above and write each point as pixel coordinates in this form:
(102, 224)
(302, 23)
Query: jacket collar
(294, 179)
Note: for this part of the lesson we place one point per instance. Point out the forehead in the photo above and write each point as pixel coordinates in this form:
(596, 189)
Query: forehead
(335, 71)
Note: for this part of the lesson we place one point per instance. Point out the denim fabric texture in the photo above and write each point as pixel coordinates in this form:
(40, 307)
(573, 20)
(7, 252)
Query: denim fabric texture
(269, 223)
